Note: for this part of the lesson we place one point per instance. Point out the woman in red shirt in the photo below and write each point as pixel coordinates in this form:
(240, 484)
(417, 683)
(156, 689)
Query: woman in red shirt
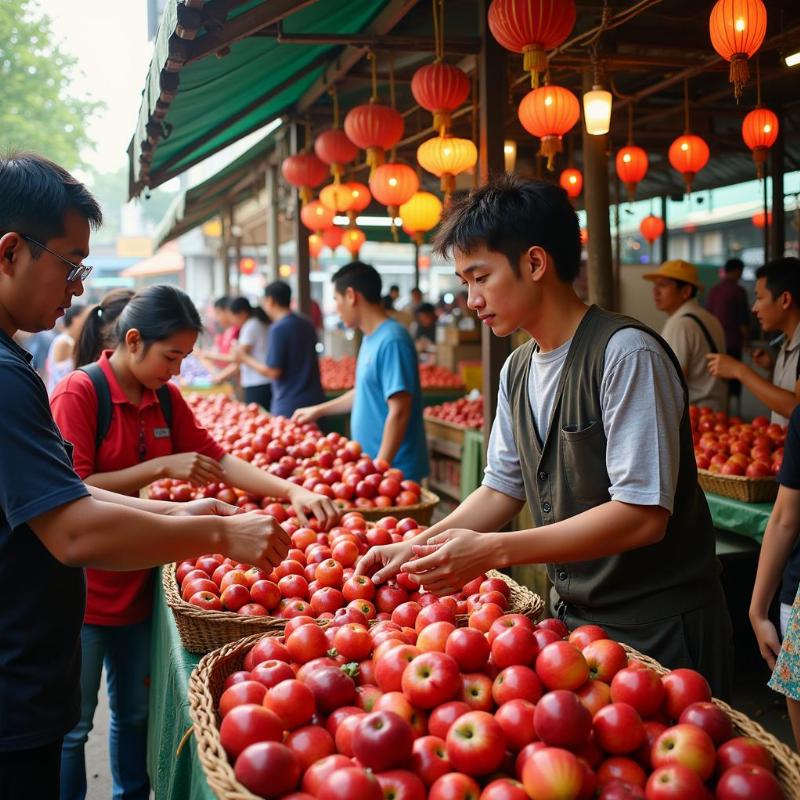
(156, 331)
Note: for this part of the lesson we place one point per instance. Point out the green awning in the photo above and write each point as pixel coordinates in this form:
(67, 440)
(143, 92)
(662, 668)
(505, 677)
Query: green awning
(201, 94)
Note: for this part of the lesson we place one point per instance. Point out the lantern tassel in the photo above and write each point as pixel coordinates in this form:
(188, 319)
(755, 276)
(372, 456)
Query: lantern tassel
(630, 188)
(759, 157)
(739, 74)
(688, 177)
(393, 212)
(306, 193)
(550, 147)
(441, 121)
(534, 60)
(375, 157)
(448, 185)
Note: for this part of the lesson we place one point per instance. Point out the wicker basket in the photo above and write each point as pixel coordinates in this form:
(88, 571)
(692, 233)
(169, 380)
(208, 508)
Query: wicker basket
(521, 599)
(421, 512)
(205, 688)
(748, 490)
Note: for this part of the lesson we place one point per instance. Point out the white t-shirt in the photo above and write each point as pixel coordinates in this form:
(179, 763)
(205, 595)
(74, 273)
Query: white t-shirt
(254, 333)
(642, 403)
(56, 370)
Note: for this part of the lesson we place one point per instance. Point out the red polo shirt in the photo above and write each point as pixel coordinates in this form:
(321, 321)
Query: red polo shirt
(122, 598)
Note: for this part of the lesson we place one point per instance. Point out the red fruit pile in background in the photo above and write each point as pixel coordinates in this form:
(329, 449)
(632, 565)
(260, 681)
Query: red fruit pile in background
(340, 373)
(464, 412)
(503, 709)
(729, 446)
(433, 377)
(330, 465)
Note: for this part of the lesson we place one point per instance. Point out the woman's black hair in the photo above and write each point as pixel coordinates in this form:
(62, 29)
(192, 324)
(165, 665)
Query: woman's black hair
(158, 312)
(99, 330)
(75, 310)
(241, 305)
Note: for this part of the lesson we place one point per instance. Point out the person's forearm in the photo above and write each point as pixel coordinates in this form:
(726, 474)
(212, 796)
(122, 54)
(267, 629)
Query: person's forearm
(394, 429)
(125, 481)
(244, 475)
(781, 401)
(261, 369)
(611, 528)
(104, 535)
(343, 404)
(226, 373)
(152, 506)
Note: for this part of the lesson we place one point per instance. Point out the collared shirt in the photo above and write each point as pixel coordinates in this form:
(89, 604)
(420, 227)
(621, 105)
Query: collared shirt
(689, 343)
(785, 373)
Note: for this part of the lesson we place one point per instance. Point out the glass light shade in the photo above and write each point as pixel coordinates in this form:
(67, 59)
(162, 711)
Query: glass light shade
(597, 111)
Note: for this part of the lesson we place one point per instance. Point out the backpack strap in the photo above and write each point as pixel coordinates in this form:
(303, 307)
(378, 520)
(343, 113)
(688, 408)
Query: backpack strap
(711, 346)
(103, 392)
(165, 401)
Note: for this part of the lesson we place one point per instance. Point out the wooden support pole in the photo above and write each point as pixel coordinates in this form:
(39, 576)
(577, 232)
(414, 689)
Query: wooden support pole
(777, 231)
(273, 244)
(664, 244)
(765, 202)
(599, 266)
(416, 263)
(297, 144)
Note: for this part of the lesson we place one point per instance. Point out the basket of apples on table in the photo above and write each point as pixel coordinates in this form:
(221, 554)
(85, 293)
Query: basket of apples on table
(737, 459)
(501, 708)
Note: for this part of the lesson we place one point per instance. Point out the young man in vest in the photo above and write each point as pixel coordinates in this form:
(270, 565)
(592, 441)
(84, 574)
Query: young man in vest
(690, 330)
(777, 307)
(592, 430)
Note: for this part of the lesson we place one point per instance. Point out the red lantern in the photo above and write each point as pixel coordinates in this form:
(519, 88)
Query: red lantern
(337, 197)
(760, 219)
(315, 244)
(374, 128)
(361, 196)
(549, 112)
(440, 88)
(335, 149)
(531, 27)
(352, 239)
(651, 227)
(247, 265)
(688, 154)
(584, 236)
(631, 168)
(316, 217)
(759, 131)
(305, 171)
(571, 181)
(332, 237)
(393, 184)
(737, 29)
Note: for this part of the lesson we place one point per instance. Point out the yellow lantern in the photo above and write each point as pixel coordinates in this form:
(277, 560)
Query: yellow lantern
(446, 157)
(337, 197)
(421, 214)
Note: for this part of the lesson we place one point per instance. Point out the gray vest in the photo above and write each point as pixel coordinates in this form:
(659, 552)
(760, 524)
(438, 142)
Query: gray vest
(567, 475)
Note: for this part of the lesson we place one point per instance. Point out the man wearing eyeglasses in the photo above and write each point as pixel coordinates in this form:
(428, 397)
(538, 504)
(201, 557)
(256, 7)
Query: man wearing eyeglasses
(51, 524)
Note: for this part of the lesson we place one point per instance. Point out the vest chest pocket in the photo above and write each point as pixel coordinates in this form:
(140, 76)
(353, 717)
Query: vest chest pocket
(583, 458)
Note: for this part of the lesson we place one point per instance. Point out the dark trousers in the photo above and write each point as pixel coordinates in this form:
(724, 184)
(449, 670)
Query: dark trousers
(261, 394)
(31, 773)
(734, 386)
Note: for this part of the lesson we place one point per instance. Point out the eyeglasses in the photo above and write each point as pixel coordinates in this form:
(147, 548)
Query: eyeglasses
(76, 271)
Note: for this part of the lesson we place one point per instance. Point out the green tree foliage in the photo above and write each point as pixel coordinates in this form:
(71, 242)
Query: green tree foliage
(37, 110)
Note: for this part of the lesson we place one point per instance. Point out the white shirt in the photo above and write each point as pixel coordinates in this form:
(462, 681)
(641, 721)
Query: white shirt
(785, 373)
(56, 370)
(255, 334)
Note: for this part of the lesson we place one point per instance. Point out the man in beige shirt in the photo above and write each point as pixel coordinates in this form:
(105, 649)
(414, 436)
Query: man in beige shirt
(777, 307)
(691, 331)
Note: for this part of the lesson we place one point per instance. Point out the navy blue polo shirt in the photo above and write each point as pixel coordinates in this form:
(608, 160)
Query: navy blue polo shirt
(43, 601)
(292, 349)
(789, 476)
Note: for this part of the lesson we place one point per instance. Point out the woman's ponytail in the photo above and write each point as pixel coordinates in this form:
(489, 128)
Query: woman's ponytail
(99, 327)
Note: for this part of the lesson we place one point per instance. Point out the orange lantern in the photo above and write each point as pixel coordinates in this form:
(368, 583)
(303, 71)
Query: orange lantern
(584, 236)
(632, 166)
(421, 214)
(305, 171)
(759, 131)
(337, 197)
(688, 154)
(761, 220)
(651, 227)
(531, 27)
(316, 217)
(247, 265)
(548, 113)
(352, 239)
(737, 29)
(446, 157)
(375, 128)
(315, 244)
(332, 237)
(335, 149)
(440, 88)
(361, 195)
(571, 181)
(393, 184)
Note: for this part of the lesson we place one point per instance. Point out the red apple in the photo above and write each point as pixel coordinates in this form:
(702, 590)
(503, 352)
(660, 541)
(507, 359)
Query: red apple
(504, 789)
(620, 768)
(688, 746)
(310, 744)
(476, 691)
(618, 728)
(682, 687)
(382, 740)
(431, 679)
(516, 718)
(605, 658)
(454, 786)
(350, 782)
(584, 634)
(551, 773)
(561, 665)
(469, 647)
(268, 769)
(743, 750)
(475, 743)
(400, 784)
(515, 645)
(594, 695)
(711, 718)
(429, 758)
(748, 782)
(516, 682)
(443, 716)
(675, 782)
(561, 720)
(640, 687)
(246, 724)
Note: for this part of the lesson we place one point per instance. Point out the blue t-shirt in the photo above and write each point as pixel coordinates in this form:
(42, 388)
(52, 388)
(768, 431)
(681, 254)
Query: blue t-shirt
(789, 476)
(42, 610)
(387, 364)
(292, 349)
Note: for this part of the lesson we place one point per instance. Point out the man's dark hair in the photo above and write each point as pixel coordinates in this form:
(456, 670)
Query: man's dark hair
(782, 275)
(360, 277)
(280, 292)
(681, 284)
(241, 305)
(223, 303)
(394, 288)
(35, 194)
(734, 265)
(426, 308)
(417, 290)
(509, 215)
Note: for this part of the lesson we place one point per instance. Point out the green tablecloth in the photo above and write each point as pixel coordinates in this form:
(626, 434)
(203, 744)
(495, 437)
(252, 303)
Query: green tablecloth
(472, 463)
(745, 519)
(172, 776)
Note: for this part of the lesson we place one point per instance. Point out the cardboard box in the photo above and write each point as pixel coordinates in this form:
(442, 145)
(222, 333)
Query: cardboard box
(450, 356)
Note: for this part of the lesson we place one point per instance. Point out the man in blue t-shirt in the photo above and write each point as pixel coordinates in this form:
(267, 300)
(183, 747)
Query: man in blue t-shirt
(386, 402)
(292, 362)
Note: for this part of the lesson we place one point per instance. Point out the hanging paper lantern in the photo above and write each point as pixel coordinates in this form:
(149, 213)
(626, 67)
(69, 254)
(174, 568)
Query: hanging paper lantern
(352, 239)
(531, 27)
(360, 194)
(420, 214)
(761, 220)
(759, 131)
(305, 171)
(571, 181)
(688, 154)
(737, 29)
(375, 128)
(548, 113)
(332, 237)
(393, 184)
(446, 157)
(316, 217)
(335, 149)
(315, 244)
(247, 265)
(337, 197)
(651, 227)
(632, 166)
(440, 88)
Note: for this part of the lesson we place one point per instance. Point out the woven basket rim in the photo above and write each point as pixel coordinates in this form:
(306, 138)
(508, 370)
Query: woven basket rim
(735, 478)
(428, 499)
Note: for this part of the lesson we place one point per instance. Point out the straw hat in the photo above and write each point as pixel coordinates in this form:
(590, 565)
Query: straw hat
(677, 270)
